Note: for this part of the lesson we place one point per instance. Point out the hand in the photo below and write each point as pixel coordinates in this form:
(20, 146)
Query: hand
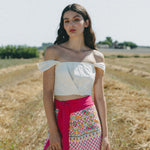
(55, 141)
(105, 143)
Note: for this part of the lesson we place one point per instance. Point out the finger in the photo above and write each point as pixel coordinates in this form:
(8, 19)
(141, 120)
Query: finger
(56, 147)
(104, 147)
(59, 147)
(107, 147)
(52, 147)
(48, 148)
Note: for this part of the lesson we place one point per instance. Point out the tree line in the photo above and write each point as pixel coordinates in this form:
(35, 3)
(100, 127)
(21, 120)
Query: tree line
(115, 44)
(108, 42)
(13, 51)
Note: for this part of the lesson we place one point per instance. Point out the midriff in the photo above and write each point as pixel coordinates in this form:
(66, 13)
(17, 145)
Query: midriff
(68, 97)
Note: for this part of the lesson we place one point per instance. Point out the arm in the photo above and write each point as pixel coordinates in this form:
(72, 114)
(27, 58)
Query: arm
(48, 89)
(99, 98)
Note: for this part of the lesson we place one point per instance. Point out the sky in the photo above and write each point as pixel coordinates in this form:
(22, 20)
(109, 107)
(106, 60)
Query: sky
(33, 22)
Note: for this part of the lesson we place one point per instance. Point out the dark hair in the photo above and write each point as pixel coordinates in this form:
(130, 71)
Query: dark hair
(89, 36)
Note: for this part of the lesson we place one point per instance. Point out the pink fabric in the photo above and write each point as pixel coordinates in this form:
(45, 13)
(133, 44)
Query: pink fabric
(65, 109)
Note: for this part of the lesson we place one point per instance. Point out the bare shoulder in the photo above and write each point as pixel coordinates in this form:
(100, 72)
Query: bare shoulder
(51, 53)
(99, 57)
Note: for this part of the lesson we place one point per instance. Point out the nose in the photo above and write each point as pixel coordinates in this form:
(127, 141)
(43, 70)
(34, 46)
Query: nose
(71, 22)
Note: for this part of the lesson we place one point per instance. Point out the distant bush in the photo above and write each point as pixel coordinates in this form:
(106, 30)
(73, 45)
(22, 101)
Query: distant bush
(122, 56)
(105, 42)
(129, 44)
(12, 51)
(126, 56)
(148, 56)
(136, 56)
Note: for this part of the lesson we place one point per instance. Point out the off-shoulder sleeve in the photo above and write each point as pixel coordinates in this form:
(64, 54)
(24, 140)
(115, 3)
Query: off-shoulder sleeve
(100, 65)
(45, 65)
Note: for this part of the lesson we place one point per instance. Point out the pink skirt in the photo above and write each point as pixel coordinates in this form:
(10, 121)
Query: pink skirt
(78, 123)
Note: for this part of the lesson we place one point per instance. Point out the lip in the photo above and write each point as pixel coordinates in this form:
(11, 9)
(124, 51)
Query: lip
(72, 30)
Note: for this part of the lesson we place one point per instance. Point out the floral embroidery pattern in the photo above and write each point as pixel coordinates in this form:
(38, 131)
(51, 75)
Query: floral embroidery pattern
(84, 121)
(85, 129)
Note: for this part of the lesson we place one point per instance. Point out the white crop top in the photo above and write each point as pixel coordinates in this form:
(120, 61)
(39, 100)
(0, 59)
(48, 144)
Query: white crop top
(72, 78)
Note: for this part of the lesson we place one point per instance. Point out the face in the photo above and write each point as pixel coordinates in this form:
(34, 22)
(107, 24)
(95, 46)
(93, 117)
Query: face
(74, 23)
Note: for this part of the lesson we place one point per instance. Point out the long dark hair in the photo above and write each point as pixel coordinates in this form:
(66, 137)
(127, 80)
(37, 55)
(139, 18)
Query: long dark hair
(89, 36)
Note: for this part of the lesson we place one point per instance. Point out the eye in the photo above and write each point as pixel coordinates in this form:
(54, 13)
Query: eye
(66, 21)
(77, 19)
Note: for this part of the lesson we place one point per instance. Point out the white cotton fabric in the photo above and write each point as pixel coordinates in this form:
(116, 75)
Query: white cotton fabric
(72, 78)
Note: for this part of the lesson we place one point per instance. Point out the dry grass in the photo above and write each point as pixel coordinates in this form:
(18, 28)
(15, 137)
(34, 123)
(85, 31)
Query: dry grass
(23, 124)
(4, 63)
(127, 86)
(135, 71)
(21, 119)
(128, 116)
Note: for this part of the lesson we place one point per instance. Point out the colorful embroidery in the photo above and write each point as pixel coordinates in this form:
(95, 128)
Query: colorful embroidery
(56, 112)
(85, 129)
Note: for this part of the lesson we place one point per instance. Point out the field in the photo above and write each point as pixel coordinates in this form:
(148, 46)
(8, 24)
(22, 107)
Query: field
(23, 124)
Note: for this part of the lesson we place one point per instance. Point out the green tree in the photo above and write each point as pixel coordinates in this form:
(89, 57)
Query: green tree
(109, 39)
(126, 43)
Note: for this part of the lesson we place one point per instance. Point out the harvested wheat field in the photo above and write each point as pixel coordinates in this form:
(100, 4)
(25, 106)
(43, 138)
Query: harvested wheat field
(23, 124)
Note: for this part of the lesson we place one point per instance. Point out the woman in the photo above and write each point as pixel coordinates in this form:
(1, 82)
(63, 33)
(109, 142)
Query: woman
(71, 68)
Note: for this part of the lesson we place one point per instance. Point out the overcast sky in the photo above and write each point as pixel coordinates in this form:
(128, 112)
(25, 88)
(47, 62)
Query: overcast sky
(33, 22)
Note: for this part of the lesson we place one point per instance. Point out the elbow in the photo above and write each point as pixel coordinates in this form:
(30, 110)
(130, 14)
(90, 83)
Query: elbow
(100, 99)
(47, 95)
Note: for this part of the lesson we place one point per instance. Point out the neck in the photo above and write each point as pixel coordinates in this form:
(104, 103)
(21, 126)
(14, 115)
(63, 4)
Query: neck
(76, 43)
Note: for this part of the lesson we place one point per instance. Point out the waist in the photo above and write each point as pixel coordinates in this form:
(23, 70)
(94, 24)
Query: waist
(68, 97)
(65, 108)
(74, 104)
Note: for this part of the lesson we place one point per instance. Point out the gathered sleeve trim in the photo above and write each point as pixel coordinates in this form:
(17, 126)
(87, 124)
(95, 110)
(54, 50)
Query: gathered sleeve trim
(45, 65)
(100, 65)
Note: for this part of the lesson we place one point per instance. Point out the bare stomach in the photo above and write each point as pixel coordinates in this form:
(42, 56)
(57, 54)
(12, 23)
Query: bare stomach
(68, 97)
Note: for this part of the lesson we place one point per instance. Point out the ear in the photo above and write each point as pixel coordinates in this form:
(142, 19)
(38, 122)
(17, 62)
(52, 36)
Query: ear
(86, 23)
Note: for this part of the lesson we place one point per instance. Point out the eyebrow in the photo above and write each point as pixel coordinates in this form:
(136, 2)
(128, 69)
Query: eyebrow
(73, 17)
